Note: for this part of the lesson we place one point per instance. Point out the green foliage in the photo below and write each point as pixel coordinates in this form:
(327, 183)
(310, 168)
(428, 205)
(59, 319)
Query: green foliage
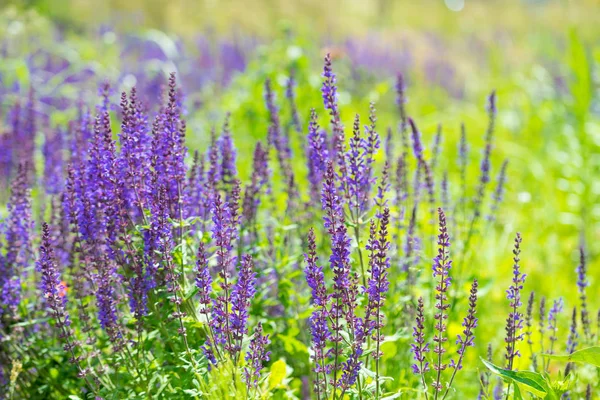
(590, 355)
(526, 381)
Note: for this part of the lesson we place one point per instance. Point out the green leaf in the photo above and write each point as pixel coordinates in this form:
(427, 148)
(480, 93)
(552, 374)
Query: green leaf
(528, 381)
(392, 396)
(278, 372)
(590, 355)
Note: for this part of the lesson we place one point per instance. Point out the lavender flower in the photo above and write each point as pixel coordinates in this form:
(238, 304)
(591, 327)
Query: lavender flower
(420, 347)
(275, 138)
(379, 263)
(339, 261)
(106, 301)
(227, 151)
(582, 284)
(224, 233)
(318, 321)
(441, 270)
(542, 321)
(572, 340)
(259, 180)
(320, 334)
(51, 286)
(314, 273)
(557, 308)
(134, 160)
(463, 158)
(53, 161)
(382, 189)
(499, 192)
(529, 330)
(13, 266)
(329, 93)
(255, 357)
(401, 183)
(203, 280)
(317, 155)
(485, 168)
(469, 324)
(55, 299)
(401, 100)
(418, 151)
(378, 284)
(436, 147)
(289, 93)
(514, 322)
(241, 294)
(196, 195)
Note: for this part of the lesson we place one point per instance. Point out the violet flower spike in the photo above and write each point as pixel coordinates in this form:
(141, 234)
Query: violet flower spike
(55, 299)
(418, 151)
(420, 347)
(241, 295)
(529, 329)
(291, 96)
(469, 324)
(582, 284)
(18, 255)
(339, 262)
(572, 340)
(499, 191)
(317, 155)
(314, 273)
(329, 93)
(379, 263)
(514, 322)
(557, 308)
(441, 270)
(255, 357)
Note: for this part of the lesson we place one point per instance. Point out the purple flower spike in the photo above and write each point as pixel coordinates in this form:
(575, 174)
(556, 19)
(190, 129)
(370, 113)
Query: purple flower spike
(418, 151)
(242, 293)
(441, 270)
(468, 340)
(17, 227)
(317, 156)
(499, 191)
(259, 180)
(514, 322)
(255, 357)
(420, 347)
(401, 100)
(227, 151)
(203, 280)
(54, 291)
(557, 308)
(314, 273)
(582, 284)
(55, 300)
(379, 263)
(291, 96)
(330, 97)
(318, 321)
(572, 340)
(469, 324)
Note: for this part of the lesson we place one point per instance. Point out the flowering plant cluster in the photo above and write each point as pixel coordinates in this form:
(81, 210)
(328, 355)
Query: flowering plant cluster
(140, 266)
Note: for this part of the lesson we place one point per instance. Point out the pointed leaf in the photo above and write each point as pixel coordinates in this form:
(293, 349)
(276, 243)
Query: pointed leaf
(590, 355)
(528, 381)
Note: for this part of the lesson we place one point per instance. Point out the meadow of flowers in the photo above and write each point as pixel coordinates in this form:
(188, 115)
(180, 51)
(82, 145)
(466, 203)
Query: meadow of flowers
(238, 217)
